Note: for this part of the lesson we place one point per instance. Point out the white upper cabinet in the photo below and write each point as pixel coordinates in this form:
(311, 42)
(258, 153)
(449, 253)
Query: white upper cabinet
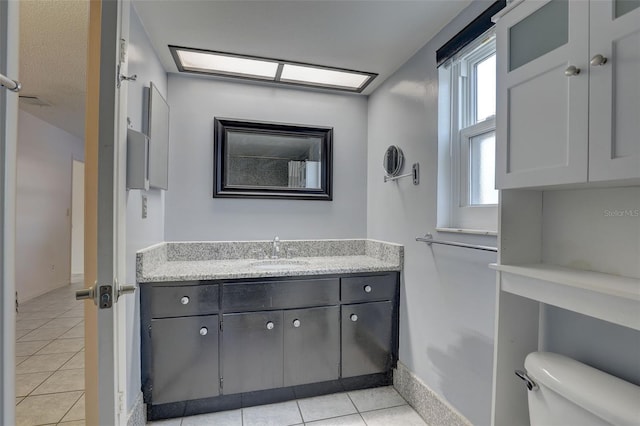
(614, 90)
(561, 120)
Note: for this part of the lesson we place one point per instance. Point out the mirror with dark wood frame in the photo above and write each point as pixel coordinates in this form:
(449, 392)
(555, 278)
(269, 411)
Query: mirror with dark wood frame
(271, 160)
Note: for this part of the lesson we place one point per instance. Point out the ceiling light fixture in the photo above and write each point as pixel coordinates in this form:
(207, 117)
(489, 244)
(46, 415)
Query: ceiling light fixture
(266, 69)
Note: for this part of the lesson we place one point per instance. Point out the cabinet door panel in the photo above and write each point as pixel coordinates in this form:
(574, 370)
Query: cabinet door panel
(184, 362)
(367, 331)
(252, 351)
(614, 118)
(311, 345)
(542, 114)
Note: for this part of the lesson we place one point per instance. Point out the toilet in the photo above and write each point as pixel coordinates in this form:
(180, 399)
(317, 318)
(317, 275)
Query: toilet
(565, 392)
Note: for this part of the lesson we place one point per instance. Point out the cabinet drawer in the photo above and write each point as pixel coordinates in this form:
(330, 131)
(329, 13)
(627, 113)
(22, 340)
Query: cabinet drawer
(184, 300)
(367, 288)
(279, 294)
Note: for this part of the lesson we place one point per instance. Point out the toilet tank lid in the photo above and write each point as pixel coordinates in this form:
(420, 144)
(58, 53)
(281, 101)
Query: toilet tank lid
(608, 397)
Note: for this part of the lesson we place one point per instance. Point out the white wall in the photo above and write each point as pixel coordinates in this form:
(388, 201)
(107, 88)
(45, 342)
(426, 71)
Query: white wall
(43, 205)
(141, 233)
(447, 305)
(192, 213)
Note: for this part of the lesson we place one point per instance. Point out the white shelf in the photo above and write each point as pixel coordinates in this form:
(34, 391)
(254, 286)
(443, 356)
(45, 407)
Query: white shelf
(608, 297)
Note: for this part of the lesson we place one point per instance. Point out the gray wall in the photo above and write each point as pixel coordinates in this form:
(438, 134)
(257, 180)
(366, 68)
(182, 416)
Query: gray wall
(448, 294)
(43, 205)
(140, 232)
(192, 213)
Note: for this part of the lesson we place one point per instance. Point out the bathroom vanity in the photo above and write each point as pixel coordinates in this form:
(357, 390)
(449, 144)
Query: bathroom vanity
(221, 330)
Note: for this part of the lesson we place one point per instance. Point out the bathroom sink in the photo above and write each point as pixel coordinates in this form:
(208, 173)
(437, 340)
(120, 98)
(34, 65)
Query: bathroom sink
(269, 264)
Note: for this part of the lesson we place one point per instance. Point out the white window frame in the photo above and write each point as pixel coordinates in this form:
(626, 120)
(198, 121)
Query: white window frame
(457, 111)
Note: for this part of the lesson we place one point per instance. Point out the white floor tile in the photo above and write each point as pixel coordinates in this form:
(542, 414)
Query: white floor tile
(26, 383)
(223, 418)
(38, 363)
(43, 409)
(376, 398)
(397, 416)
(351, 420)
(62, 381)
(327, 406)
(281, 414)
(76, 362)
(59, 346)
(76, 412)
(67, 323)
(30, 348)
(44, 334)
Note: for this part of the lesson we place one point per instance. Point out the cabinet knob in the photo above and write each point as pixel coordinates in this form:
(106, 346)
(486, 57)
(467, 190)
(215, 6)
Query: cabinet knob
(204, 331)
(270, 325)
(571, 71)
(354, 317)
(367, 289)
(184, 300)
(598, 60)
(296, 323)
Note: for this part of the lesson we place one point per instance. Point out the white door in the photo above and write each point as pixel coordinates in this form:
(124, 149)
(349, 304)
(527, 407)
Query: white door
(614, 90)
(8, 138)
(105, 193)
(541, 124)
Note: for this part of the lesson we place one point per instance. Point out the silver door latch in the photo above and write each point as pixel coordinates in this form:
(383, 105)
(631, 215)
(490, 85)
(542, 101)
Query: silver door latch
(106, 294)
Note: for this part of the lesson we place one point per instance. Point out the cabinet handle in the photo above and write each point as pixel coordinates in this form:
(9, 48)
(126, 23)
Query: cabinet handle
(184, 300)
(571, 71)
(270, 325)
(296, 323)
(598, 60)
(367, 289)
(354, 317)
(204, 331)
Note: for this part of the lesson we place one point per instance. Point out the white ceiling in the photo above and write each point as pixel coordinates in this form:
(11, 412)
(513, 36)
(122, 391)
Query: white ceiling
(364, 35)
(53, 60)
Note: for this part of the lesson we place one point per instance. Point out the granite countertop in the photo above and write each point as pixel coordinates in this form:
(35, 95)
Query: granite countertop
(190, 261)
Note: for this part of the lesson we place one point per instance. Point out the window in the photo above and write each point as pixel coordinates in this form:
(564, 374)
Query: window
(467, 196)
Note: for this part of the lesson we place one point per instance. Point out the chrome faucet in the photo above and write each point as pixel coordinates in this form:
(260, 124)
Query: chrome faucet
(275, 251)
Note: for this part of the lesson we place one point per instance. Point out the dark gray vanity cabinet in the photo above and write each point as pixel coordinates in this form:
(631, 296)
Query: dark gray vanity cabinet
(252, 350)
(366, 338)
(185, 358)
(368, 323)
(311, 345)
(225, 344)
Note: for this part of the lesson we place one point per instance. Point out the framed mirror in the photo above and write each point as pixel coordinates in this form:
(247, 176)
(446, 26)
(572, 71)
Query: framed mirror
(271, 160)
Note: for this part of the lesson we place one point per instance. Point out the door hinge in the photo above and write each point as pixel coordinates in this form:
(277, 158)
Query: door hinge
(121, 402)
(123, 50)
(221, 326)
(221, 383)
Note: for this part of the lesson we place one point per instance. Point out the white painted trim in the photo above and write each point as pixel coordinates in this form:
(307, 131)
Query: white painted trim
(9, 26)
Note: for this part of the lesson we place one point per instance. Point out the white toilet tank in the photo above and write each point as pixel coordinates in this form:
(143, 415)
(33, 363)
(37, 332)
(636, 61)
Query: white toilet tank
(570, 393)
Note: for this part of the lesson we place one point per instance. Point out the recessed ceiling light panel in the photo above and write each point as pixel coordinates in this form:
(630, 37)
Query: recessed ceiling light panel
(267, 69)
(225, 64)
(322, 76)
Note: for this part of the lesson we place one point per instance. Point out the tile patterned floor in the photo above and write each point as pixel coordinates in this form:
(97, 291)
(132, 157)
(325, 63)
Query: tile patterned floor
(50, 359)
(370, 407)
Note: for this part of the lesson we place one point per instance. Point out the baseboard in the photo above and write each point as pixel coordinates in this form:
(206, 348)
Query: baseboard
(433, 409)
(138, 414)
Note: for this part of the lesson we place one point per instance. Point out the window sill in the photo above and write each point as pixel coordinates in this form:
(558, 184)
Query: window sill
(468, 231)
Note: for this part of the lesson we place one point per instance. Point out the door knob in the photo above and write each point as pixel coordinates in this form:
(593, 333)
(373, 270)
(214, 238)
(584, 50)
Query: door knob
(354, 317)
(184, 300)
(296, 323)
(571, 71)
(367, 289)
(87, 293)
(204, 331)
(598, 60)
(270, 325)
(126, 289)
